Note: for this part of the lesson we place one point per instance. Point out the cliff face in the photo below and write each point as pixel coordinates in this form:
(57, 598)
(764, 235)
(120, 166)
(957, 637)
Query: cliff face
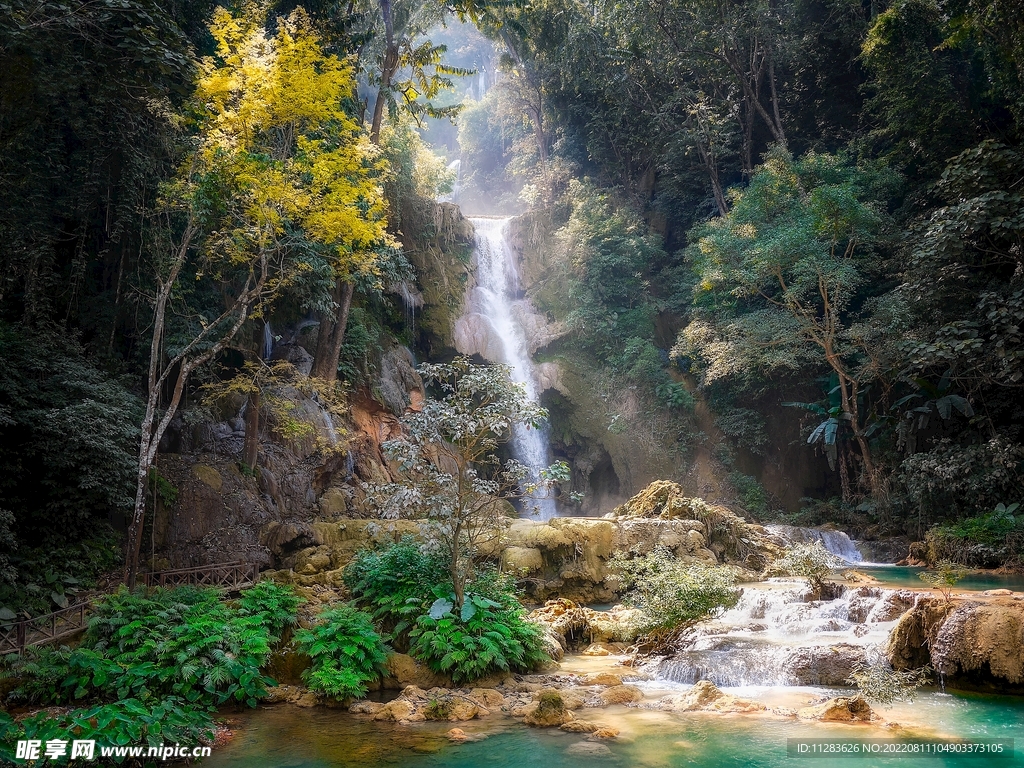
(972, 644)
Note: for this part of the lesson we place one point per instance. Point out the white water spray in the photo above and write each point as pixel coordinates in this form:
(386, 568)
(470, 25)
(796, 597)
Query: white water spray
(492, 306)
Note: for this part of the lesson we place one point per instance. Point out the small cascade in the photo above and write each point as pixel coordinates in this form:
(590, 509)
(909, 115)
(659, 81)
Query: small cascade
(777, 635)
(493, 305)
(350, 465)
(268, 341)
(836, 542)
(412, 300)
(456, 166)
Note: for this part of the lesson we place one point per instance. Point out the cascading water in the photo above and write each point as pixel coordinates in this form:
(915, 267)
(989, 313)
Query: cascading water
(492, 301)
(777, 635)
(836, 542)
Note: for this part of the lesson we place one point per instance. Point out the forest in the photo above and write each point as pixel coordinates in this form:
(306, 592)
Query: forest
(434, 311)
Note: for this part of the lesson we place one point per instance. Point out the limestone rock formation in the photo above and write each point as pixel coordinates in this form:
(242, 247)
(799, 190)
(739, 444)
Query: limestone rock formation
(972, 644)
(705, 696)
(840, 709)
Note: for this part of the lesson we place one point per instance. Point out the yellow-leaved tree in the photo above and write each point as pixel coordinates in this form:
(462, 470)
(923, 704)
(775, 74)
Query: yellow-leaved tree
(279, 189)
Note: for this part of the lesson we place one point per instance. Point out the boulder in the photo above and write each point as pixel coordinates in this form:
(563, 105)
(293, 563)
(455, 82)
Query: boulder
(824, 664)
(705, 696)
(366, 708)
(605, 733)
(488, 698)
(570, 699)
(621, 694)
(522, 561)
(457, 734)
(399, 709)
(840, 709)
(601, 678)
(403, 670)
(465, 709)
(549, 711)
(580, 726)
(598, 649)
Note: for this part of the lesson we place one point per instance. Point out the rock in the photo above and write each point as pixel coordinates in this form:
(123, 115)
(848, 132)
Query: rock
(605, 733)
(839, 709)
(398, 380)
(621, 694)
(550, 710)
(570, 699)
(403, 670)
(602, 678)
(457, 734)
(465, 709)
(209, 476)
(399, 709)
(487, 698)
(824, 664)
(522, 560)
(998, 592)
(282, 693)
(973, 644)
(334, 503)
(597, 649)
(705, 696)
(580, 726)
(366, 708)
(308, 699)
(588, 749)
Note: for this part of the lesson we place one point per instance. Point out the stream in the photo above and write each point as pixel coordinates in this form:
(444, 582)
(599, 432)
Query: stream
(773, 647)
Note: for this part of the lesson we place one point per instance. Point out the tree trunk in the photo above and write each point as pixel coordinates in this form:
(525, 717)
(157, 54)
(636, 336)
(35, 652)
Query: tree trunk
(388, 68)
(332, 334)
(251, 444)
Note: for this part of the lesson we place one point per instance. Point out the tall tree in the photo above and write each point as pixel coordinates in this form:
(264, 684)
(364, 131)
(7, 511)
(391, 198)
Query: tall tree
(280, 182)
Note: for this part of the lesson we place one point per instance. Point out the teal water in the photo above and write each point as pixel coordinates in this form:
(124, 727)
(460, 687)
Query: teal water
(288, 737)
(906, 576)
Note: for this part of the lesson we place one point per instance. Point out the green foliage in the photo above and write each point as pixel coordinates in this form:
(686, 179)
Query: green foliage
(752, 495)
(812, 561)
(944, 577)
(152, 667)
(671, 595)
(346, 651)
(119, 723)
(68, 438)
(44, 577)
(273, 604)
(451, 473)
(393, 582)
(483, 637)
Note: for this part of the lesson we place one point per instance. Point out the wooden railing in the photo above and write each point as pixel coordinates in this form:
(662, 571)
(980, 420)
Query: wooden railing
(16, 636)
(230, 576)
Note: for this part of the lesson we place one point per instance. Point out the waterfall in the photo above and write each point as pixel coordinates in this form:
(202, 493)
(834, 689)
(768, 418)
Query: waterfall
(497, 280)
(453, 197)
(268, 341)
(776, 635)
(836, 542)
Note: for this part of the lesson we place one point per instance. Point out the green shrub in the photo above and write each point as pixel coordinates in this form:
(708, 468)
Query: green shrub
(944, 577)
(346, 651)
(984, 540)
(393, 583)
(812, 561)
(485, 637)
(151, 668)
(273, 604)
(672, 595)
(182, 642)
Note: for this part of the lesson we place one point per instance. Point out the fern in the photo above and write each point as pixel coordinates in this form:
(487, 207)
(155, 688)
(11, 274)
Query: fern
(346, 653)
